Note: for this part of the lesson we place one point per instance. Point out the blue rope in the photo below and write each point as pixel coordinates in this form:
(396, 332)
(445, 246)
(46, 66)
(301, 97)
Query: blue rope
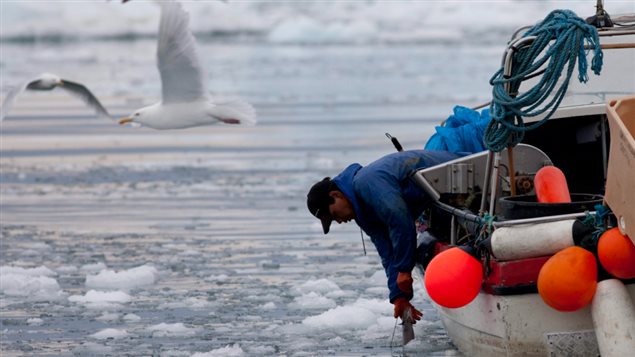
(488, 223)
(598, 221)
(485, 230)
(560, 40)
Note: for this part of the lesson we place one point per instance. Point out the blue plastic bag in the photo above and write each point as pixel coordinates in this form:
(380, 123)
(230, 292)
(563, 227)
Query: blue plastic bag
(463, 132)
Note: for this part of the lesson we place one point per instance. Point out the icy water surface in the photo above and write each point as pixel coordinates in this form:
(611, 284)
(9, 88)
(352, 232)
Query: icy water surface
(121, 241)
(208, 231)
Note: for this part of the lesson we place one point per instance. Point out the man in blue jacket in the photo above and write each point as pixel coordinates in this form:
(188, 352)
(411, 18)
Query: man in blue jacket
(384, 202)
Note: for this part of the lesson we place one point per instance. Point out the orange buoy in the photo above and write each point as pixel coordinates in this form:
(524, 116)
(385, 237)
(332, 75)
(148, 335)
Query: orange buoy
(617, 254)
(567, 281)
(551, 185)
(453, 278)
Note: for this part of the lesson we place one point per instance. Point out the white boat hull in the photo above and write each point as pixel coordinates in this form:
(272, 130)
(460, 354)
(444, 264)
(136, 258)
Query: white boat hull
(520, 325)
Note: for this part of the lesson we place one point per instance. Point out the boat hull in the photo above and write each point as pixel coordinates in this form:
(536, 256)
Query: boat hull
(520, 325)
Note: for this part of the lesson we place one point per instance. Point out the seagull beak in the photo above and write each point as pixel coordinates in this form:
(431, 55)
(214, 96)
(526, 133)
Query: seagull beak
(126, 120)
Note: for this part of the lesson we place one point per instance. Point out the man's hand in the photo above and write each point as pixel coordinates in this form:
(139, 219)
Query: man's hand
(404, 282)
(402, 305)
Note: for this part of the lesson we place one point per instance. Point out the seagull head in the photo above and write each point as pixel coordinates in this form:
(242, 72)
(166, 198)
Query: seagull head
(136, 117)
(144, 116)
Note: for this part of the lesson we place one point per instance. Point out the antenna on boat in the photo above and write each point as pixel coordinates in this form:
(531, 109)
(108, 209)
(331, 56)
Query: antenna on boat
(395, 142)
(601, 17)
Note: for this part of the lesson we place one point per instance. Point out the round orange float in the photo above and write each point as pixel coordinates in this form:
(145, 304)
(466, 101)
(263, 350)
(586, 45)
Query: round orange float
(567, 281)
(551, 185)
(453, 278)
(617, 254)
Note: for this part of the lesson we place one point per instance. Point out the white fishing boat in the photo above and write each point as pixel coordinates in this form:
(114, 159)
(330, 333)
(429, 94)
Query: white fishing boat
(488, 200)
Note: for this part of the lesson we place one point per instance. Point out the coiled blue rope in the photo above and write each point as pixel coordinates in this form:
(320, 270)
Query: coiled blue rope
(560, 40)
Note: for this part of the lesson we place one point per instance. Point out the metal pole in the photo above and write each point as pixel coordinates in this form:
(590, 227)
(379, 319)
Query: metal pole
(507, 70)
(470, 217)
(486, 182)
(494, 184)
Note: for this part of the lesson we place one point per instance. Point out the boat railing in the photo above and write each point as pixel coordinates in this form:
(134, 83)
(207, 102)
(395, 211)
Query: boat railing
(626, 27)
(474, 222)
(493, 158)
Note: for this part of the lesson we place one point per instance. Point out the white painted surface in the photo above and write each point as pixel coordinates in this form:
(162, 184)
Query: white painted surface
(614, 319)
(532, 240)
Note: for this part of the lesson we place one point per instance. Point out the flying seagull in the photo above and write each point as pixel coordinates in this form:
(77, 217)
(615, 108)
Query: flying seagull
(48, 81)
(185, 99)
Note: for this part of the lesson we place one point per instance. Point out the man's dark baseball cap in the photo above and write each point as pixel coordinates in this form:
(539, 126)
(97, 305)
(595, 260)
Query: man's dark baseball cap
(318, 201)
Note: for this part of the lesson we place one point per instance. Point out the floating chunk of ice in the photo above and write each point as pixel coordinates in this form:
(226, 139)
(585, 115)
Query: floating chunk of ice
(125, 279)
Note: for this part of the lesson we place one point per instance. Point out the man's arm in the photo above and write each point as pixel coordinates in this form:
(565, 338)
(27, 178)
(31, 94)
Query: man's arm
(384, 248)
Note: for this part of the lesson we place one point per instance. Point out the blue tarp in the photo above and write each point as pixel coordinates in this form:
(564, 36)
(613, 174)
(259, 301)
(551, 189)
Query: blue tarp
(463, 132)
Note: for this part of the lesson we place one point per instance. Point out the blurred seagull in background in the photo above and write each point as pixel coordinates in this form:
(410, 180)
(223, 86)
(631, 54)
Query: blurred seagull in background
(48, 81)
(185, 100)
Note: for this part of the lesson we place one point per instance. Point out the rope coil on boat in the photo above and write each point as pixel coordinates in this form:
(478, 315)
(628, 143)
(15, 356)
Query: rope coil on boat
(559, 42)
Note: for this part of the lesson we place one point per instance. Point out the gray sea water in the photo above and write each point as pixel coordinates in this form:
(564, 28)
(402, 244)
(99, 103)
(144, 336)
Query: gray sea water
(216, 215)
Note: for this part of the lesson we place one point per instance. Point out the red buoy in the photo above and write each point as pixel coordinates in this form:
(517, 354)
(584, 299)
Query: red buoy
(453, 278)
(617, 254)
(551, 185)
(567, 281)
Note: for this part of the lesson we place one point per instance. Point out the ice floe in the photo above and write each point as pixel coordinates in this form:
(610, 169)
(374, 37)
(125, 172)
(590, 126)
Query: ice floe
(126, 279)
(109, 333)
(33, 284)
(227, 351)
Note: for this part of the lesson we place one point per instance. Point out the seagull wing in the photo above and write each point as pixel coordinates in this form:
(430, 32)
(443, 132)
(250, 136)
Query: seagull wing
(233, 111)
(182, 76)
(8, 101)
(80, 91)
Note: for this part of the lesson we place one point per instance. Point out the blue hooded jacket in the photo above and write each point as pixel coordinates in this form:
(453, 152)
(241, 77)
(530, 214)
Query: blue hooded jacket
(387, 203)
